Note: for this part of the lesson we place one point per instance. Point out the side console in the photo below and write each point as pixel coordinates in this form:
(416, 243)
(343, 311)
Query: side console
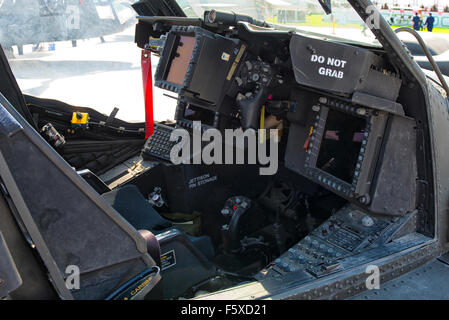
(347, 130)
(346, 235)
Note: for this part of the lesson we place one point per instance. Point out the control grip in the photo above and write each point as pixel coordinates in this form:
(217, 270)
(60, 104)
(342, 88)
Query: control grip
(250, 108)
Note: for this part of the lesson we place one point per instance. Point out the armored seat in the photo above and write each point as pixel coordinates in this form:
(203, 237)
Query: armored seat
(179, 251)
(133, 207)
(131, 204)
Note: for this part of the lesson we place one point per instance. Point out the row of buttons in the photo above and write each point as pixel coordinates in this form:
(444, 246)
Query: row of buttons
(310, 253)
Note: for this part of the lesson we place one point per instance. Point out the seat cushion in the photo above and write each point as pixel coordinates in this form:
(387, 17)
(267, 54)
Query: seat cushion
(135, 209)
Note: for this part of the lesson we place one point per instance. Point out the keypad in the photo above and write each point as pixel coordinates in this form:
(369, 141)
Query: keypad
(159, 145)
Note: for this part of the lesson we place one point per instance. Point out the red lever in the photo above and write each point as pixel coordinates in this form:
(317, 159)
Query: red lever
(147, 77)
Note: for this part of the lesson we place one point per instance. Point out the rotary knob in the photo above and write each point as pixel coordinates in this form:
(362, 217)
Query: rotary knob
(367, 221)
(225, 212)
(255, 77)
(292, 269)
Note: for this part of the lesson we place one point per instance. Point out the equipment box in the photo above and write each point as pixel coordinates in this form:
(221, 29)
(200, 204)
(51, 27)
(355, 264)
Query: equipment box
(341, 68)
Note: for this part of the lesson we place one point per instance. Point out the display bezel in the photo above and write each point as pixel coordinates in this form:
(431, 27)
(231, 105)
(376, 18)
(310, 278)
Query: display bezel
(362, 174)
(168, 53)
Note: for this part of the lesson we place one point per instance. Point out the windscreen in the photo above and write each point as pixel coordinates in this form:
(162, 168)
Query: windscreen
(340, 146)
(306, 15)
(83, 52)
(79, 52)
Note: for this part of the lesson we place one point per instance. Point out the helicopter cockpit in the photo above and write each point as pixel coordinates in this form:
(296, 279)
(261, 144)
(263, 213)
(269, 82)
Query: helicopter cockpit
(344, 146)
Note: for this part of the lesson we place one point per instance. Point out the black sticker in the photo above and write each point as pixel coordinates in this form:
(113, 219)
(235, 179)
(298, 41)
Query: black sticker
(168, 260)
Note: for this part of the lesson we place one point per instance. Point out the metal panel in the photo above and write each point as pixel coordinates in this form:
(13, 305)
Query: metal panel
(444, 258)
(9, 276)
(330, 66)
(395, 192)
(429, 282)
(341, 285)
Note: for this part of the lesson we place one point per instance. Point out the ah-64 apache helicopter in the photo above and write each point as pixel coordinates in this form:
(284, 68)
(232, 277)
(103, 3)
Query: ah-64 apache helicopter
(362, 179)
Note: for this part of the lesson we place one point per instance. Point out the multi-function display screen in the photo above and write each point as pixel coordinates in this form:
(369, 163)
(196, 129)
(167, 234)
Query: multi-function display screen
(341, 144)
(181, 59)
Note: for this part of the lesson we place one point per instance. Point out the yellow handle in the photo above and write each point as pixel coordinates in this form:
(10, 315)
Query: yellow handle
(262, 125)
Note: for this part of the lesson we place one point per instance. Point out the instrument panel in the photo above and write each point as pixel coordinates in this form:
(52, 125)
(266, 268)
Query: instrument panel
(337, 102)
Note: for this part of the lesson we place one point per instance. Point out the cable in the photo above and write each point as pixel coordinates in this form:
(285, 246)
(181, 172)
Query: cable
(428, 55)
(115, 128)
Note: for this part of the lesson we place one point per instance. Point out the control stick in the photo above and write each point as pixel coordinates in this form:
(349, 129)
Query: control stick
(233, 211)
(250, 108)
(257, 77)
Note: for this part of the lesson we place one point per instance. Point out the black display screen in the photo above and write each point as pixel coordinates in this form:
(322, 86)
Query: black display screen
(341, 144)
(193, 113)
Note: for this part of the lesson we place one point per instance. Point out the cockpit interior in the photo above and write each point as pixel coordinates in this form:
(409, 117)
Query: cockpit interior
(351, 156)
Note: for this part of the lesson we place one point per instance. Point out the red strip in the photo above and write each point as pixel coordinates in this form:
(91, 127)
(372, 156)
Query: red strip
(147, 77)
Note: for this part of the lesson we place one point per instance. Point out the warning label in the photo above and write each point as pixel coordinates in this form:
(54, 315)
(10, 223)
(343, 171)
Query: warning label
(201, 180)
(168, 260)
(332, 66)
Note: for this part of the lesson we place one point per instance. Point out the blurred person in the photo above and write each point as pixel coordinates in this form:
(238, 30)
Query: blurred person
(421, 19)
(364, 28)
(416, 22)
(282, 16)
(262, 14)
(37, 47)
(429, 22)
(391, 22)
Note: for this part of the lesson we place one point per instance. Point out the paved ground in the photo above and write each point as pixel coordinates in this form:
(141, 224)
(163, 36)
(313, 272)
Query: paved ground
(94, 74)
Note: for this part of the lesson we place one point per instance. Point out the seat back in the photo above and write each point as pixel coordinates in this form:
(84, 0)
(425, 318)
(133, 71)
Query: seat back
(10, 89)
